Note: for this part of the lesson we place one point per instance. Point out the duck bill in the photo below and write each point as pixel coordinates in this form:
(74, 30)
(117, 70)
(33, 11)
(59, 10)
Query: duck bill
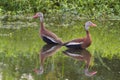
(35, 16)
(93, 25)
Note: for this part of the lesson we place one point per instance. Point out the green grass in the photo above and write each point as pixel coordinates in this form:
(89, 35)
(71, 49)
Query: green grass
(105, 38)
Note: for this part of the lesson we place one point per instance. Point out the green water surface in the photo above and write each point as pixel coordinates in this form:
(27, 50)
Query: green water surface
(21, 46)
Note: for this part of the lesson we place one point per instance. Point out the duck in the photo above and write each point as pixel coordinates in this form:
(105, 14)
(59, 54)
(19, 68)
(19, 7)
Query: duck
(46, 51)
(46, 35)
(81, 43)
(81, 55)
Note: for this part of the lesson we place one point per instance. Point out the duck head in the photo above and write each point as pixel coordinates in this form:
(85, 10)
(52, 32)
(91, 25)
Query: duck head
(89, 24)
(40, 15)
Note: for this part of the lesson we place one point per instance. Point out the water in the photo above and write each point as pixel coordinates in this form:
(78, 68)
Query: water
(24, 56)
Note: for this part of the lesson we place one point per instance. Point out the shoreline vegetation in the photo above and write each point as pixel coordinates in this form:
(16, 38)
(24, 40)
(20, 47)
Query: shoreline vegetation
(77, 9)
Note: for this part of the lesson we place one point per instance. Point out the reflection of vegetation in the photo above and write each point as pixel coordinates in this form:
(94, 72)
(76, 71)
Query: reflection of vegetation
(56, 67)
(108, 74)
(28, 40)
(15, 67)
(89, 8)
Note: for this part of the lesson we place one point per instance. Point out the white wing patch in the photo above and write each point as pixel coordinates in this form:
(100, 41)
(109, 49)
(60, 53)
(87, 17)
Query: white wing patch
(74, 55)
(74, 43)
(50, 39)
(51, 49)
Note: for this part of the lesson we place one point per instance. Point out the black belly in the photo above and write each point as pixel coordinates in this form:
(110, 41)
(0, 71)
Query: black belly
(48, 41)
(74, 46)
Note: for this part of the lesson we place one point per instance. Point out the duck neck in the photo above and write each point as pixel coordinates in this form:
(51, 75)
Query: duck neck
(88, 34)
(42, 25)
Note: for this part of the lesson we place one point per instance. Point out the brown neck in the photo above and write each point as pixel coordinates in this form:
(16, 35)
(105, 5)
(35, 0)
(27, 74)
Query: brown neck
(88, 34)
(42, 25)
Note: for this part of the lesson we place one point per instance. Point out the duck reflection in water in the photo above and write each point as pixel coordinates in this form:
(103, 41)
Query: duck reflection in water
(81, 55)
(46, 51)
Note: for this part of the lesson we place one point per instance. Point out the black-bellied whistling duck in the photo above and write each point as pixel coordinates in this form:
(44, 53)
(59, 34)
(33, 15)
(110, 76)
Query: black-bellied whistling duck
(81, 55)
(81, 43)
(47, 36)
(46, 51)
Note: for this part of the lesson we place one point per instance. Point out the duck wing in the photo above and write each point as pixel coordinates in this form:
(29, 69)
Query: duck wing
(76, 43)
(50, 38)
